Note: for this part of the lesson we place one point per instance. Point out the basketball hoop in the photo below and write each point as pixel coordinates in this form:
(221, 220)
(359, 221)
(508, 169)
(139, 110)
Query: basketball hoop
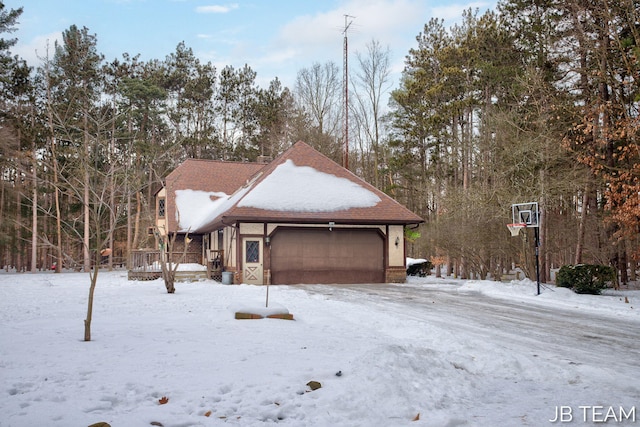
(515, 228)
(527, 215)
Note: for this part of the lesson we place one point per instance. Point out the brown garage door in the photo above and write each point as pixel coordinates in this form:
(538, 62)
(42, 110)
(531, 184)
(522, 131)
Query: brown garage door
(323, 256)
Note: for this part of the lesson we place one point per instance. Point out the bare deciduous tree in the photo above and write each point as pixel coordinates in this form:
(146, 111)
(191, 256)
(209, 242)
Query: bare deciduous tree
(318, 94)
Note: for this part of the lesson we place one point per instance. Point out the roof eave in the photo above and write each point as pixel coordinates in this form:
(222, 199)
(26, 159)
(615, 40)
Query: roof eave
(226, 221)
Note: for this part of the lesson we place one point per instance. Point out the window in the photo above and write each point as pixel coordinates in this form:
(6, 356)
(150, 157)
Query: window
(161, 207)
(252, 251)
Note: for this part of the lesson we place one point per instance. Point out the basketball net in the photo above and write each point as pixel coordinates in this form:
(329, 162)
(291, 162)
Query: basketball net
(515, 228)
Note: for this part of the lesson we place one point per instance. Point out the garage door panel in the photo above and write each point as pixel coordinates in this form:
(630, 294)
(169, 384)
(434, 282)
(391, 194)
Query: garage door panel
(326, 276)
(323, 256)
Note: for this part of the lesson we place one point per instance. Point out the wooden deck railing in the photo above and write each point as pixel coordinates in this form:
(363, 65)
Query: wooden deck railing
(145, 260)
(149, 260)
(215, 264)
(145, 263)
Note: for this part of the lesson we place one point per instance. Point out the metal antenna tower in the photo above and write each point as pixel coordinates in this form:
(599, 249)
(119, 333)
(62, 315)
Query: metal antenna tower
(345, 86)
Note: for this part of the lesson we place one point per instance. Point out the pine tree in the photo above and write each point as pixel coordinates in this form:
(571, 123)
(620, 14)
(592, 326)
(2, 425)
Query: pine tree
(8, 21)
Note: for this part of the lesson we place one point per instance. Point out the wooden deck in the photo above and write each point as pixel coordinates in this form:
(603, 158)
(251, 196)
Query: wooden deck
(145, 265)
(181, 276)
(144, 275)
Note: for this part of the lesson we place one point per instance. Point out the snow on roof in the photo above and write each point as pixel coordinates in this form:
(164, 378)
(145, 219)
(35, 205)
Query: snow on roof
(294, 188)
(197, 208)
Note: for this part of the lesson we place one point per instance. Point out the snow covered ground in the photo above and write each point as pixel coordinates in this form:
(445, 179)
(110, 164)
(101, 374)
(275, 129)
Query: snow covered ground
(431, 352)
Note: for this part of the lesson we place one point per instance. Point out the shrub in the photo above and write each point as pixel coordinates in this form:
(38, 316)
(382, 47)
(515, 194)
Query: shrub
(586, 278)
(421, 269)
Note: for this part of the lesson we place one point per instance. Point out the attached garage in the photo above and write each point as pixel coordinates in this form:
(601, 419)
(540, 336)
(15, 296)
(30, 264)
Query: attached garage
(302, 218)
(320, 255)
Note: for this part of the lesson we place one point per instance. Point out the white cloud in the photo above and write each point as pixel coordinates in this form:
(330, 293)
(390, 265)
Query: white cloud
(318, 37)
(311, 30)
(278, 56)
(382, 20)
(36, 49)
(217, 8)
(453, 12)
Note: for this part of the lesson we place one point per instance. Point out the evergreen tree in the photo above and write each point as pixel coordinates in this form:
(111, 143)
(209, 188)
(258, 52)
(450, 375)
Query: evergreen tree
(190, 87)
(275, 110)
(245, 114)
(8, 20)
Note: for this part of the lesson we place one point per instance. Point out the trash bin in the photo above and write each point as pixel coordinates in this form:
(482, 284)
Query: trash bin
(227, 278)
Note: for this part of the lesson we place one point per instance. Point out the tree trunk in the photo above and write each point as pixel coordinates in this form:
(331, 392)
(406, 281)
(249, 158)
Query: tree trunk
(136, 225)
(129, 235)
(582, 226)
(168, 274)
(86, 197)
(622, 262)
(112, 195)
(18, 225)
(4, 261)
(58, 214)
(92, 288)
(86, 240)
(166, 262)
(56, 189)
(34, 214)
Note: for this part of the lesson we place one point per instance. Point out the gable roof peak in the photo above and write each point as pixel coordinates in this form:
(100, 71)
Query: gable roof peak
(348, 198)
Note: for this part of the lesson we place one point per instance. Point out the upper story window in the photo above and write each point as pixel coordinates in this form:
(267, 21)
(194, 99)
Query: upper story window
(161, 210)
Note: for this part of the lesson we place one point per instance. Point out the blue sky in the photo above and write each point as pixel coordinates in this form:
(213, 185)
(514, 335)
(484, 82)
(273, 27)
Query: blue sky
(276, 38)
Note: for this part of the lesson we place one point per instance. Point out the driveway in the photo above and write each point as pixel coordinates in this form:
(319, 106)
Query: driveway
(578, 336)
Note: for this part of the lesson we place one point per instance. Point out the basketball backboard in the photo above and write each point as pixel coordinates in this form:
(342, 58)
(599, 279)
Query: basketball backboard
(525, 213)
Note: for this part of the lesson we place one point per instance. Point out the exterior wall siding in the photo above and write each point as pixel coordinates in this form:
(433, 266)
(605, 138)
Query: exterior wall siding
(396, 252)
(252, 228)
(230, 248)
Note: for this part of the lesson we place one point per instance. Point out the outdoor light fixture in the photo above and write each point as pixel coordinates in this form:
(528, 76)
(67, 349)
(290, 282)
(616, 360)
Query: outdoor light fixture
(267, 240)
(331, 224)
(397, 240)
